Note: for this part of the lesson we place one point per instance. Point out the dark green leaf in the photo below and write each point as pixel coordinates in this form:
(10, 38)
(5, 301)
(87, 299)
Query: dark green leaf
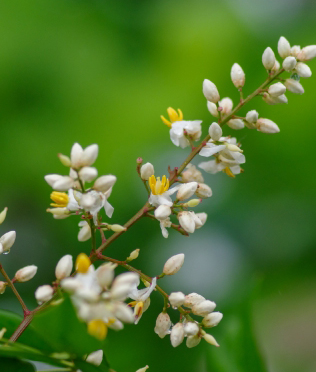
(15, 365)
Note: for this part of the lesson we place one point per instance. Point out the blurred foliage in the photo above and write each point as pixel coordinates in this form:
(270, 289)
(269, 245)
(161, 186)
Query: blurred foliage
(102, 72)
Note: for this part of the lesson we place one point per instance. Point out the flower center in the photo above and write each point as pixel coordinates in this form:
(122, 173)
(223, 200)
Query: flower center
(82, 263)
(158, 187)
(61, 199)
(98, 328)
(173, 116)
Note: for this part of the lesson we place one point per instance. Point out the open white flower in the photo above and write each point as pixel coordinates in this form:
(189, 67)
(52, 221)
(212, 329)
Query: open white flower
(163, 225)
(160, 192)
(64, 203)
(179, 128)
(93, 201)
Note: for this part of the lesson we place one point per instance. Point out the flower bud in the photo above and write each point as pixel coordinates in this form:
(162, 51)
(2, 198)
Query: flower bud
(146, 171)
(84, 232)
(307, 53)
(289, 64)
(276, 89)
(267, 126)
(252, 116)
(105, 274)
(44, 293)
(117, 228)
(193, 203)
(212, 319)
(87, 174)
(3, 215)
(192, 174)
(177, 334)
(123, 313)
(284, 47)
(186, 221)
(303, 70)
(163, 324)
(191, 329)
(82, 263)
(104, 183)
(237, 75)
(89, 155)
(186, 190)
(268, 59)
(6, 241)
(215, 131)
(133, 255)
(52, 178)
(202, 217)
(203, 191)
(193, 341)
(117, 325)
(63, 184)
(210, 339)
(226, 104)
(294, 86)
(193, 299)
(64, 267)
(162, 212)
(143, 369)
(176, 299)
(174, 264)
(210, 91)
(95, 357)
(71, 285)
(212, 108)
(236, 124)
(25, 274)
(203, 308)
(65, 160)
(274, 100)
(276, 66)
(295, 50)
(3, 286)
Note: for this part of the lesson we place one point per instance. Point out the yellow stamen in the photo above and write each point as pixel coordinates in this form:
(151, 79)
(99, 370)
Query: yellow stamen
(229, 172)
(132, 304)
(158, 187)
(82, 263)
(98, 329)
(61, 199)
(138, 311)
(110, 321)
(173, 116)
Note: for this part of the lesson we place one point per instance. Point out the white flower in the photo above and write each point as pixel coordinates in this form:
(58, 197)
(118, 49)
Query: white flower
(163, 225)
(284, 47)
(212, 319)
(303, 70)
(64, 267)
(267, 126)
(236, 124)
(203, 191)
(215, 131)
(237, 75)
(307, 53)
(294, 86)
(203, 308)
(289, 63)
(60, 183)
(6, 241)
(252, 116)
(212, 108)
(187, 220)
(104, 183)
(191, 329)
(177, 334)
(143, 369)
(226, 104)
(178, 129)
(173, 264)
(193, 299)
(80, 158)
(192, 174)
(84, 231)
(210, 91)
(93, 201)
(186, 190)
(163, 324)
(160, 192)
(25, 274)
(276, 89)
(268, 59)
(44, 293)
(162, 212)
(146, 171)
(176, 299)
(3, 215)
(95, 357)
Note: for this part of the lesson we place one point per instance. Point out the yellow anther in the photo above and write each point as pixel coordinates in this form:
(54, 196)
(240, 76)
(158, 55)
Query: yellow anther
(173, 116)
(61, 199)
(228, 172)
(82, 263)
(110, 321)
(138, 311)
(98, 329)
(132, 304)
(158, 186)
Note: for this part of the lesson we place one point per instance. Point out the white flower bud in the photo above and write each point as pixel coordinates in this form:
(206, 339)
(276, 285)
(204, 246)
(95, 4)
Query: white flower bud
(26, 273)
(193, 299)
(267, 126)
(276, 66)
(117, 228)
(52, 178)
(89, 155)
(143, 369)
(117, 325)
(268, 59)
(191, 329)
(289, 64)
(133, 255)
(284, 47)
(193, 203)
(212, 108)
(212, 319)
(215, 131)
(95, 357)
(237, 75)
(123, 284)
(64, 267)
(295, 50)
(76, 155)
(226, 104)
(71, 285)
(210, 91)
(303, 70)
(104, 183)
(105, 274)
(186, 190)
(3, 215)
(203, 191)
(186, 221)
(87, 174)
(65, 160)
(236, 124)
(123, 313)
(210, 339)
(307, 53)
(3, 286)
(202, 217)
(63, 184)
(162, 212)
(192, 174)
(44, 293)
(176, 299)
(173, 264)
(294, 86)
(193, 341)
(163, 324)
(6, 241)
(84, 232)
(276, 89)
(177, 334)
(252, 116)
(146, 171)
(203, 308)
(274, 100)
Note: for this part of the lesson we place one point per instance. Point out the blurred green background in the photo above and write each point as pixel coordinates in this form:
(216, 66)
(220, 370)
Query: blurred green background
(103, 72)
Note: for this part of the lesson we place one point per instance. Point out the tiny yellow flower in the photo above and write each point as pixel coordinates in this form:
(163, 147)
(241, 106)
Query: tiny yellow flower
(82, 263)
(158, 187)
(173, 116)
(98, 329)
(60, 199)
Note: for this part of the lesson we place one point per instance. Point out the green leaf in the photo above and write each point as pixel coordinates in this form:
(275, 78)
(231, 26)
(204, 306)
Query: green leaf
(15, 365)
